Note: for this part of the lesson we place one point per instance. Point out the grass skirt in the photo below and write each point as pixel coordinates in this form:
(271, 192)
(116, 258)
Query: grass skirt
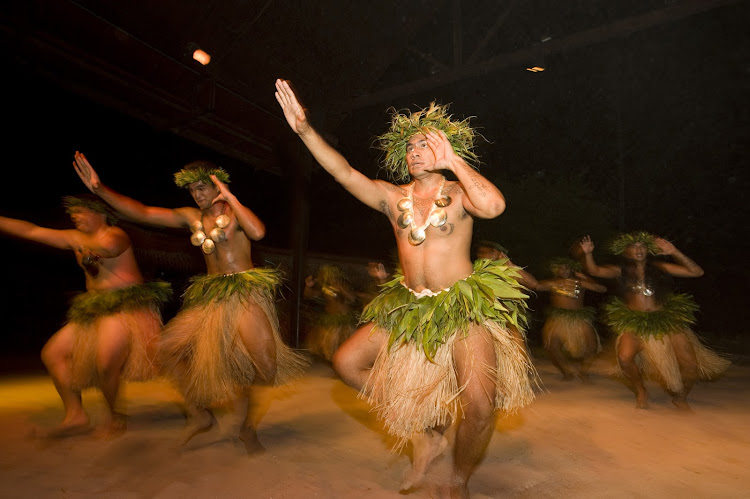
(573, 328)
(413, 388)
(137, 309)
(657, 360)
(329, 332)
(201, 347)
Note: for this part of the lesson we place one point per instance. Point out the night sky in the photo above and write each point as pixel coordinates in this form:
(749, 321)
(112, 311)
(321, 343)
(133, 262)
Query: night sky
(662, 117)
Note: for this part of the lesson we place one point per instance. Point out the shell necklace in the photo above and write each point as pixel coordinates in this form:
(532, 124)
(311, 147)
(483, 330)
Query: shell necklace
(436, 217)
(217, 234)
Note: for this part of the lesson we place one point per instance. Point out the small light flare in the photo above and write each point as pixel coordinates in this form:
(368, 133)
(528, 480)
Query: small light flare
(535, 69)
(201, 56)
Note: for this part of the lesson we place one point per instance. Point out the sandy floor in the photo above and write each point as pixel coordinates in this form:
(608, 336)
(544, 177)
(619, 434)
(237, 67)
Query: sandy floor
(576, 440)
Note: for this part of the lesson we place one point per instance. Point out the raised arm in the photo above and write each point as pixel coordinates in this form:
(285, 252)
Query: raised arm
(682, 266)
(248, 221)
(588, 283)
(482, 198)
(526, 279)
(590, 266)
(129, 207)
(62, 239)
(373, 193)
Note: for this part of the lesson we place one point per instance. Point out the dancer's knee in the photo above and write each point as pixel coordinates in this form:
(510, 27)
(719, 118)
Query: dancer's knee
(343, 364)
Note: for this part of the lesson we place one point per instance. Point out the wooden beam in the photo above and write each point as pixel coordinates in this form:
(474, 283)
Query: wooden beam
(585, 38)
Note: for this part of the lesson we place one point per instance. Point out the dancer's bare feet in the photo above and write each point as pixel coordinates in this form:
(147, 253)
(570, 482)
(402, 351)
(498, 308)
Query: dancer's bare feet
(641, 399)
(680, 401)
(111, 428)
(448, 490)
(426, 447)
(198, 422)
(250, 438)
(76, 424)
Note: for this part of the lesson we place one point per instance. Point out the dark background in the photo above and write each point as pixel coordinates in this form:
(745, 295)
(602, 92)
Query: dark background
(646, 130)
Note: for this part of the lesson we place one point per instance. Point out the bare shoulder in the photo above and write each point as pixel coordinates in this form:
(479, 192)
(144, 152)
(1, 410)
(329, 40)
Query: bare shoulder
(453, 187)
(391, 194)
(389, 188)
(188, 214)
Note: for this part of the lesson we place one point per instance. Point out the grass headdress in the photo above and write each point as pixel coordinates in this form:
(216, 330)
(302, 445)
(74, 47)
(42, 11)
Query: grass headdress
(621, 243)
(492, 245)
(89, 202)
(200, 171)
(556, 263)
(404, 126)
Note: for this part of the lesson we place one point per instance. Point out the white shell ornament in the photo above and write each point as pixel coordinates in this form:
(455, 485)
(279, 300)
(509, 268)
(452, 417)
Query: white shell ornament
(405, 204)
(197, 238)
(218, 235)
(417, 236)
(438, 218)
(222, 221)
(196, 226)
(648, 291)
(405, 219)
(443, 201)
(208, 246)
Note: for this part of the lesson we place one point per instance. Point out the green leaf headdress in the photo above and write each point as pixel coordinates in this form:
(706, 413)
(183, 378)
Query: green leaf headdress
(492, 245)
(200, 171)
(403, 127)
(564, 262)
(89, 202)
(621, 243)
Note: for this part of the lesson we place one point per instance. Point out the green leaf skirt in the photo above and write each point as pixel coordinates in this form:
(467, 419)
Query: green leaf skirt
(490, 293)
(676, 315)
(87, 307)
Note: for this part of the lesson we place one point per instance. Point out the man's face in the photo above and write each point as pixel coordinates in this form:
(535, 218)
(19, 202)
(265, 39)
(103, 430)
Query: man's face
(562, 272)
(636, 251)
(485, 252)
(419, 156)
(86, 220)
(203, 193)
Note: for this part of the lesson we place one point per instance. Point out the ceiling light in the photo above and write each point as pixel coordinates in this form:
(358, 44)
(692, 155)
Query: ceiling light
(193, 50)
(201, 56)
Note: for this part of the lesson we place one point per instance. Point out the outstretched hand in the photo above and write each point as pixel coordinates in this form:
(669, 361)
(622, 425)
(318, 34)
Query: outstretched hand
(293, 110)
(665, 246)
(86, 172)
(587, 245)
(442, 148)
(224, 192)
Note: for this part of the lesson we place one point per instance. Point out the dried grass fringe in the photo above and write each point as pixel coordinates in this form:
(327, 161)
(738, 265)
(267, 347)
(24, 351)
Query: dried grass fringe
(143, 326)
(202, 351)
(657, 361)
(411, 394)
(572, 333)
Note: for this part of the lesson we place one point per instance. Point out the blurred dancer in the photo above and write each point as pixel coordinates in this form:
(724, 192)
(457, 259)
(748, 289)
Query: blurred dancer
(335, 314)
(652, 323)
(569, 327)
(493, 251)
(226, 336)
(436, 349)
(112, 330)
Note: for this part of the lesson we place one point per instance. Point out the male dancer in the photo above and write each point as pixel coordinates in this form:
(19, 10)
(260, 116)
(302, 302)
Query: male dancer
(226, 336)
(438, 333)
(112, 330)
(652, 324)
(569, 327)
